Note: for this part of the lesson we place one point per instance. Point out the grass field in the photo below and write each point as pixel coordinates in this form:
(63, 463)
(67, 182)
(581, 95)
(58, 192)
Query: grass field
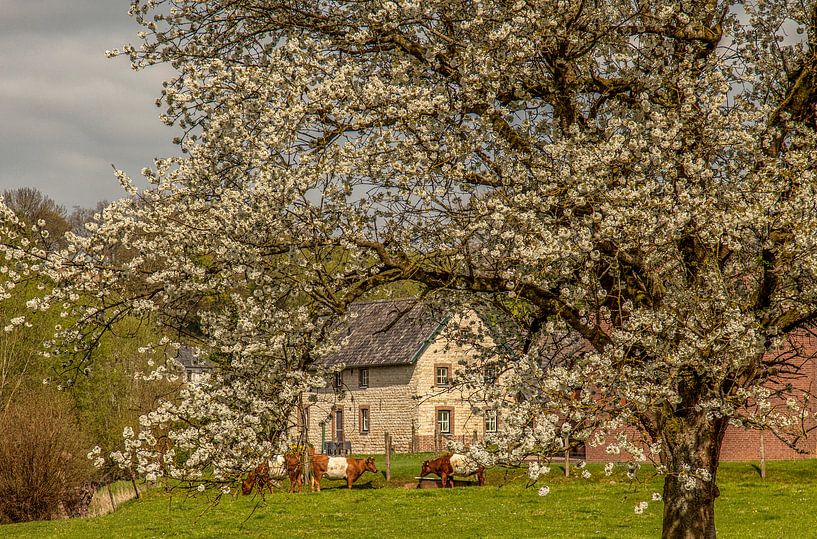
(784, 506)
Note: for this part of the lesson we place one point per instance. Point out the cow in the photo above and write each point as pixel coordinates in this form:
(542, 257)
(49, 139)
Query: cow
(275, 469)
(453, 464)
(348, 468)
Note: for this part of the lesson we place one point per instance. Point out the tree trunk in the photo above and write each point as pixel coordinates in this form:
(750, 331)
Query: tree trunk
(689, 513)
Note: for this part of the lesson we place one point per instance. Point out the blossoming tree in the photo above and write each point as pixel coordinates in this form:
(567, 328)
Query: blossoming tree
(640, 173)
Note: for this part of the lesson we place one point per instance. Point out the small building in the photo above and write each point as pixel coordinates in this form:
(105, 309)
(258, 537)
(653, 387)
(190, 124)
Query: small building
(194, 366)
(397, 379)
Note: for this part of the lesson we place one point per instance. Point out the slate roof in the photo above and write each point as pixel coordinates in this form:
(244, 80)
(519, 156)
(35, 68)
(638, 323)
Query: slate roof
(191, 362)
(391, 332)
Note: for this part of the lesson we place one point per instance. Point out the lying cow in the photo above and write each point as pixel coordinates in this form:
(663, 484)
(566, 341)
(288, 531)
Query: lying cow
(274, 469)
(453, 464)
(348, 468)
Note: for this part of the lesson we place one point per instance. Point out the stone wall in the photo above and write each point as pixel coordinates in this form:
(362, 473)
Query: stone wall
(388, 399)
(466, 426)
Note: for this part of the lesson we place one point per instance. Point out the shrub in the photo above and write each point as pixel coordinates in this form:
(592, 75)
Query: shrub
(43, 462)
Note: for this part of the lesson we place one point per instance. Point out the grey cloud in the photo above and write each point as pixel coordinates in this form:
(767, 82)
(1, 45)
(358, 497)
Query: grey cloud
(66, 112)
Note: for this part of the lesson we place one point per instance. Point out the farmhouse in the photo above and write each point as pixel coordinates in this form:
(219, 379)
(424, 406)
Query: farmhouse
(399, 368)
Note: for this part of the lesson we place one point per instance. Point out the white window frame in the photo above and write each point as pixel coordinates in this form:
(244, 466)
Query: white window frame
(365, 419)
(447, 421)
(437, 377)
(491, 421)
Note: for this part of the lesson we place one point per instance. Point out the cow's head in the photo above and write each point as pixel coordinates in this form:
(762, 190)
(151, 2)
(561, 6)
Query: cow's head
(370, 465)
(293, 460)
(260, 473)
(248, 484)
(426, 468)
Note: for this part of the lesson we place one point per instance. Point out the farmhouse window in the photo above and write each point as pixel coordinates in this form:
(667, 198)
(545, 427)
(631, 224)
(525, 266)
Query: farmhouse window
(338, 382)
(363, 377)
(444, 425)
(441, 375)
(490, 421)
(364, 419)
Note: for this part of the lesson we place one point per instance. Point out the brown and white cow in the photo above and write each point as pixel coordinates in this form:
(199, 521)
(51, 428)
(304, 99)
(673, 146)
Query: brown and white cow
(348, 468)
(453, 464)
(275, 469)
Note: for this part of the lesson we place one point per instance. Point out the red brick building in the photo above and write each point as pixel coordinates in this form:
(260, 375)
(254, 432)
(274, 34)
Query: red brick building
(742, 444)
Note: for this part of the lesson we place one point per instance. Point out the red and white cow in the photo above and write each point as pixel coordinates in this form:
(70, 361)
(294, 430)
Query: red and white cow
(348, 468)
(274, 469)
(453, 464)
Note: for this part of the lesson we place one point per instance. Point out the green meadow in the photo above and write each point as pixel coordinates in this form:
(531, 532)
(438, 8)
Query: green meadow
(783, 505)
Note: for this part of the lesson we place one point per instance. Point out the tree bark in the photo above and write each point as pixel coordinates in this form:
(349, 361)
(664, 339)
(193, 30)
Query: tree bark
(689, 513)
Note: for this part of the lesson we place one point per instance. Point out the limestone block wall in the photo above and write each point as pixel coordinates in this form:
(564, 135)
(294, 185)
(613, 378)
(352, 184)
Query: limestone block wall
(466, 426)
(388, 398)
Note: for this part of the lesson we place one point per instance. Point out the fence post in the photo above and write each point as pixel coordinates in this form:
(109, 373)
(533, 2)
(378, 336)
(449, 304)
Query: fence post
(110, 494)
(306, 461)
(387, 444)
(135, 488)
(567, 456)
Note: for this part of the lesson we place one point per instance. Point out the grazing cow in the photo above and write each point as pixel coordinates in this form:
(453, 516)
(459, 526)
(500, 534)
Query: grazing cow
(453, 464)
(295, 470)
(348, 468)
(274, 469)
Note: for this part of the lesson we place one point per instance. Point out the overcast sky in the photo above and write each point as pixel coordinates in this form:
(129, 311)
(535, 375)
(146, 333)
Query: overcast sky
(67, 113)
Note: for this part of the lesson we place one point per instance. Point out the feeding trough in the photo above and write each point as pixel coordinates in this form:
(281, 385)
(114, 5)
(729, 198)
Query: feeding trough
(436, 482)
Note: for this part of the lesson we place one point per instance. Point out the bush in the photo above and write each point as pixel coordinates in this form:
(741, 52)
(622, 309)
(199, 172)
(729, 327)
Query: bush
(43, 462)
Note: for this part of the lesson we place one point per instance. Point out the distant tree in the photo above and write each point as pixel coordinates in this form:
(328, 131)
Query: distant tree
(22, 367)
(80, 216)
(40, 211)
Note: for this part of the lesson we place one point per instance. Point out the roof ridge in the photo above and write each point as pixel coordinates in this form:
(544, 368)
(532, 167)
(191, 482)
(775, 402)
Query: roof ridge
(373, 301)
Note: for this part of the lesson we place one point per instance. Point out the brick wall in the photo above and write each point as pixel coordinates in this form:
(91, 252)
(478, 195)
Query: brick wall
(741, 444)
